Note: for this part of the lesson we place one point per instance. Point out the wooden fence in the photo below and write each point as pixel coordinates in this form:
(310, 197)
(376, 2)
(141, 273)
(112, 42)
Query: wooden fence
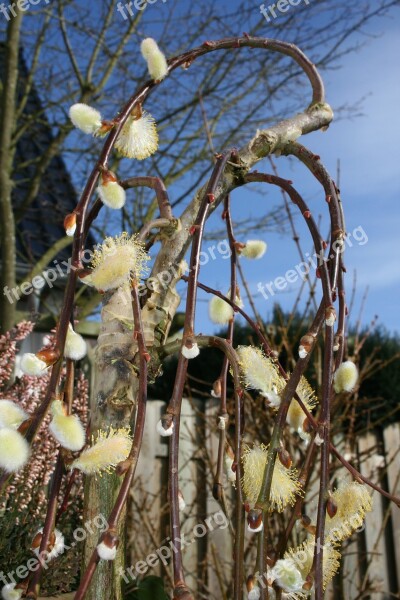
(370, 567)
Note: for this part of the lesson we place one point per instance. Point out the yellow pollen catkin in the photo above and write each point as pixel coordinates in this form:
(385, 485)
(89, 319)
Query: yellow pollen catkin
(285, 485)
(108, 450)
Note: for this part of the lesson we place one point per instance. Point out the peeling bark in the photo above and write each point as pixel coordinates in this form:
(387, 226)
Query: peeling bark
(112, 402)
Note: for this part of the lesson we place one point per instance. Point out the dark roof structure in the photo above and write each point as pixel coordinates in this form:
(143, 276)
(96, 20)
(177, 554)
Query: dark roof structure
(41, 223)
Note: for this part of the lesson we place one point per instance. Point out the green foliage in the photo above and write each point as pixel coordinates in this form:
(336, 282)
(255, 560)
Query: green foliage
(150, 588)
(18, 529)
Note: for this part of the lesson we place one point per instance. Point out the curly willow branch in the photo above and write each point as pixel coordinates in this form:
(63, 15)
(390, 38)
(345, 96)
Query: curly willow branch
(318, 115)
(229, 172)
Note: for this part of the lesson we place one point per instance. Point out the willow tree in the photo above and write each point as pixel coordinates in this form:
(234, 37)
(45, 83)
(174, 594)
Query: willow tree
(74, 54)
(137, 312)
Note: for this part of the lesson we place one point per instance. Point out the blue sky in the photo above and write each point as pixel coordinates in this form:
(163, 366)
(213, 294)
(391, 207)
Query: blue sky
(367, 147)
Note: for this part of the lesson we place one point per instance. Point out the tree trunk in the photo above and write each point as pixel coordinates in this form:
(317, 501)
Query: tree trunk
(111, 405)
(7, 126)
(114, 397)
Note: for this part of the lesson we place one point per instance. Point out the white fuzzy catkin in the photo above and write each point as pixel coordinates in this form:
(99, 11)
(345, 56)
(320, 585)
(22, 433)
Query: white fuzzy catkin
(228, 462)
(330, 321)
(138, 137)
(70, 232)
(112, 194)
(9, 592)
(117, 261)
(156, 61)
(346, 377)
(105, 552)
(190, 352)
(11, 415)
(181, 502)
(32, 365)
(164, 432)
(85, 118)
(237, 300)
(14, 450)
(75, 345)
(67, 429)
(221, 423)
(58, 547)
(260, 373)
(302, 352)
(254, 249)
(220, 311)
(287, 576)
(295, 416)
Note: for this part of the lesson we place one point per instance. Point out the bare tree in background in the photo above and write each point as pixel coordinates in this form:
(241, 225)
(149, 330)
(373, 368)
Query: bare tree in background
(77, 53)
(134, 330)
